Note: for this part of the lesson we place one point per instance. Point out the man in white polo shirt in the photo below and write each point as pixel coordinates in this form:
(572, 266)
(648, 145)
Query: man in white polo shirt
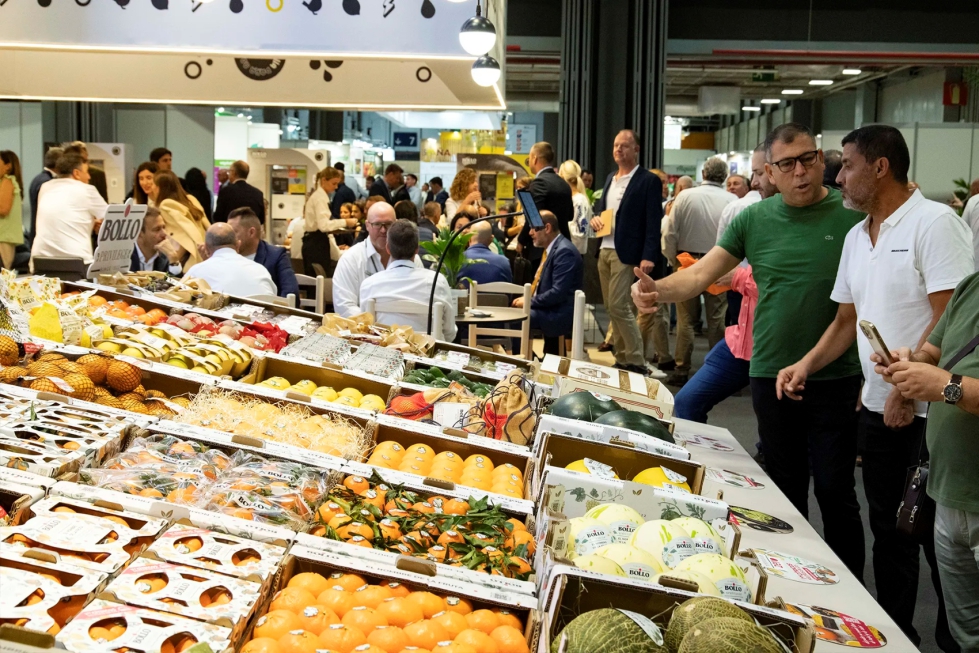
(898, 270)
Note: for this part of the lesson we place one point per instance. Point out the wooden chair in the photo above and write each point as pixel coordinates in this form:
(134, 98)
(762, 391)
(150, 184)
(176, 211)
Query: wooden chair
(315, 291)
(289, 300)
(67, 268)
(407, 307)
(501, 288)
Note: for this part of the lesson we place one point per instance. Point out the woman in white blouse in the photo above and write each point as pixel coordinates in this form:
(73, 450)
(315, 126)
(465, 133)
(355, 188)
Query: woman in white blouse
(581, 231)
(464, 192)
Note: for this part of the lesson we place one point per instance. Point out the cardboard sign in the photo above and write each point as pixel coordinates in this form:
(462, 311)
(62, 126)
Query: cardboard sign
(123, 223)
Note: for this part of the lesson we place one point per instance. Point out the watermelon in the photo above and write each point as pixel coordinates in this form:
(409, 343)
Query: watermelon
(583, 405)
(636, 421)
(608, 631)
(729, 635)
(694, 611)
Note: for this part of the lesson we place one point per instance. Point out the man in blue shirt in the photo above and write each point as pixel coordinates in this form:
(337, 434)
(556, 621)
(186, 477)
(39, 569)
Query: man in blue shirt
(496, 268)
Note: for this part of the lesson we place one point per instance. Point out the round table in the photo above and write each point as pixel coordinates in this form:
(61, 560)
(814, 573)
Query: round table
(499, 314)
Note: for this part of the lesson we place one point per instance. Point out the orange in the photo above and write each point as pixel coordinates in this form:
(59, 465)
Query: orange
(337, 599)
(341, 638)
(422, 451)
(276, 623)
(363, 618)
(455, 507)
(453, 647)
(186, 494)
(458, 604)
(450, 536)
(310, 581)
(507, 618)
(484, 620)
(151, 492)
(371, 596)
(453, 622)
(479, 640)
(357, 484)
(426, 634)
(349, 582)
(150, 583)
(397, 589)
(368, 648)
(390, 639)
(521, 537)
(430, 604)
(414, 649)
(351, 529)
(315, 618)
(510, 640)
(262, 645)
(97, 300)
(293, 599)
(400, 611)
(478, 459)
(390, 529)
(215, 596)
(299, 641)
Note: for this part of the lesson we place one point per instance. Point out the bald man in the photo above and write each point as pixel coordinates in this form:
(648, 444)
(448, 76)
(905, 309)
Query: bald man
(227, 271)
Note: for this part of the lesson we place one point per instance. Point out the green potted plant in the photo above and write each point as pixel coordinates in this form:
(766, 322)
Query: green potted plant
(961, 193)
(455, 258)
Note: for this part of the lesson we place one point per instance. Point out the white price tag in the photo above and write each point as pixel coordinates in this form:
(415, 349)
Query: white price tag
(450, 414)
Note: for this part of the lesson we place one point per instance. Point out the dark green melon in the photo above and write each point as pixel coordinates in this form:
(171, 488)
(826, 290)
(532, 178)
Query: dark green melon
(636, 421)
(605, 631)
(692, 612)
(729, 635)
(583, 405)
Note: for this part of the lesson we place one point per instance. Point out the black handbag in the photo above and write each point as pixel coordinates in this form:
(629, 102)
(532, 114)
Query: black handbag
(916, 514)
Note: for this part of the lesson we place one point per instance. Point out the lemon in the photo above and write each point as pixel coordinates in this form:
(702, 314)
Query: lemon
(276, 383)
(347, 401)
(326, 393)
(305, 386)
(353, 393)
(371, 400)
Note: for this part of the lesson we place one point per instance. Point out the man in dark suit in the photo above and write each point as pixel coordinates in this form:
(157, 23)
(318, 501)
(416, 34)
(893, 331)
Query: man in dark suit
(248, 230)
(392, 185)
(50, 160)
(551, 193)
(343, 195)
(633, 202)
(439, 194)
(152, 250)
(494, 267)
(238, 193)
(560, 274)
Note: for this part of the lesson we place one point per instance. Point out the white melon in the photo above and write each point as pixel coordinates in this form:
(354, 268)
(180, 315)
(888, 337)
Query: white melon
(666, 541)
(622, 520)
(636, 563)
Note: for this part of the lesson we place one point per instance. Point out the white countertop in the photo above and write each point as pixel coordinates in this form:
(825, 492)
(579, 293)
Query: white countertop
(848, 596)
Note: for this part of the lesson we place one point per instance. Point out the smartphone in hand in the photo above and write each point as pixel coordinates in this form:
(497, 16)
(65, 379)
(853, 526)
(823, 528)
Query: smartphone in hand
(876, 342)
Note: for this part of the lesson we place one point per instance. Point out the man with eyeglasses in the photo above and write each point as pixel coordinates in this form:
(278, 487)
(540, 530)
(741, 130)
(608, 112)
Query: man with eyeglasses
(793, 241)
(365, 259)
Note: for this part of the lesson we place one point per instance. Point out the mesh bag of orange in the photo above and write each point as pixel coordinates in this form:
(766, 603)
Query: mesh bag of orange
(506, 413)
(419, 406)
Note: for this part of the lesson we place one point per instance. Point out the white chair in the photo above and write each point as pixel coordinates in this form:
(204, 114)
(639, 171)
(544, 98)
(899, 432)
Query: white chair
(502, 288)
(318, 286)
(407, 307)
(578, 327)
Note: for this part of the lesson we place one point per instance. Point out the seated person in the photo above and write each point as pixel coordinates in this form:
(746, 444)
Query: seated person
(428, 222)
(250, 245)
(494, 267)
(152, 251)
(404, 280)
(560, 274)
(227, 271)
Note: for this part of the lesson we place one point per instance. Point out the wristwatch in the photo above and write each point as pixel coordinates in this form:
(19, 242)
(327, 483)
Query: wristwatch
(953, 390)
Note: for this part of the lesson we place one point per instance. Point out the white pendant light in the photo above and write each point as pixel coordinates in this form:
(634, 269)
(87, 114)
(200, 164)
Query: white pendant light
(486, 71)
(478, 34)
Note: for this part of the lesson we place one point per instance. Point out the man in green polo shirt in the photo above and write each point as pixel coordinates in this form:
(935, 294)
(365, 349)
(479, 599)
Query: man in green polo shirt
(793, 241)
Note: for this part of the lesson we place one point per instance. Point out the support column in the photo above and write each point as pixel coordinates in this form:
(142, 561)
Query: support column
(613, 66)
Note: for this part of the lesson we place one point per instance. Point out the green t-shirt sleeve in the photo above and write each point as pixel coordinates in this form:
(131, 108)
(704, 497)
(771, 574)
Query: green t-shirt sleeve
(733, 239)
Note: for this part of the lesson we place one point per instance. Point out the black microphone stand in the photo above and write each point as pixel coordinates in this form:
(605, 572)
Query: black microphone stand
(438, 268)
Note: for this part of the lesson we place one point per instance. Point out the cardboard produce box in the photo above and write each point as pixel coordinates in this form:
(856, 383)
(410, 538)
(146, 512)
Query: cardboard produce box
(447, 354)
(38, 458)
(568, 592)
(96, 546)
(15, 502)
(139, 629)
(47, 605)
(610, 434)
(137, 531)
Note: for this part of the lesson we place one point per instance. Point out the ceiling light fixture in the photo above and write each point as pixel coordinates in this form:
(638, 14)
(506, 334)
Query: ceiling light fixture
(771, 101)
(749, 108)
(486, 71)
(820, 82)
(852, 71)
(478, 34)
(792, 91)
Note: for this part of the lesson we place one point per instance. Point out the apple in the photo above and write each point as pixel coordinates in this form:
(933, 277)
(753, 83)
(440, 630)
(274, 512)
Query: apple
(177, 362)
(132, 351)
(186, 324)
(110, 347)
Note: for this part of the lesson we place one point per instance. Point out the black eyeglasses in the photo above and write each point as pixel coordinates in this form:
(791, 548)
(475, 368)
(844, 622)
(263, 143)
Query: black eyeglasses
(808, 160)
(380, 226)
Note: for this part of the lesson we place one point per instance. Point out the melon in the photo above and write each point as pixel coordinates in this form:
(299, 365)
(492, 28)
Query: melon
(583, 405)
(694, 611)
(729, 635)
(589, 466)
(662, 477)
(621, 520)
(599, 565)
(704, 585)
(666, 541)
(636, 421)
(727, 577)
(636, 563)
(605, 630)
(705, 537)
(586, 535)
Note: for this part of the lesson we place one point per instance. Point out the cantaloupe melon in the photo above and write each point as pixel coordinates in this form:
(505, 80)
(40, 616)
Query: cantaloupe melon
(693, 612)
(729, 635)
(608, 631)
(704, 584)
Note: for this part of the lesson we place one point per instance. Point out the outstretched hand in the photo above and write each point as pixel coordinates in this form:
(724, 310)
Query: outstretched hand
(644, 292)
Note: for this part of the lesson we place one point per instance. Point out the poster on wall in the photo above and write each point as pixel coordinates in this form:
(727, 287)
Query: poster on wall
(523, 137)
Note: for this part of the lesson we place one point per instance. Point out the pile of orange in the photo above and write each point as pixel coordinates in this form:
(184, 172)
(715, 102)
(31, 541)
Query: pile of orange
(472, 534)
(476, 471)
(126, 311)
(345, 613)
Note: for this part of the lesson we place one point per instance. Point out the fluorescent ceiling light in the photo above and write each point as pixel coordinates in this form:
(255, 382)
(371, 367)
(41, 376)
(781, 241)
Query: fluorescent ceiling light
(820, 82)
(771, 101)
(792, 91)
(852, 71)
(746, 108)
